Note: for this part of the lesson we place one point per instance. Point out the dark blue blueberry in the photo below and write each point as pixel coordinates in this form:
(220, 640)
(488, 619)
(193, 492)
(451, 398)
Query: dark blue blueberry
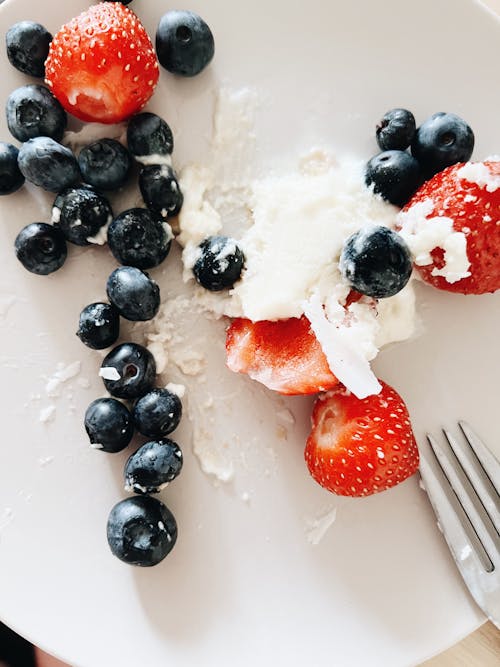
(133, 368)
(41, 248)
(46, 163)
(135, 295)
(105, 164)
(11, 178)
(396, 130)
(28, 47)
(394, 175)
(138, 238)
(32, 111)
(109, 425)
(99, 325)
(160, 190)
(442, 140)
(184, 43)
(157, 413)
(141, 531)
(376, 262)
(153, 466)
(219, 264)
(81, 213)
(148, 136)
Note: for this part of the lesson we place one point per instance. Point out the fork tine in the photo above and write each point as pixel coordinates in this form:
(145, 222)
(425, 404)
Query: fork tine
(455, 524)
(490, 464)
(478, 480)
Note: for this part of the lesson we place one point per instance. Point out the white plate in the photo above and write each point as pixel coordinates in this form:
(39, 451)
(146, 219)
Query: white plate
(244, 585)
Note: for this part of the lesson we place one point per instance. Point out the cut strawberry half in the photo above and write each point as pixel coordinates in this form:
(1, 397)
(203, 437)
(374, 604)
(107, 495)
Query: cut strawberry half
(284, 355)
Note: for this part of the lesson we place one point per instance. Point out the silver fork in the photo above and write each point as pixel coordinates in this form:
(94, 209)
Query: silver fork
(463, 485)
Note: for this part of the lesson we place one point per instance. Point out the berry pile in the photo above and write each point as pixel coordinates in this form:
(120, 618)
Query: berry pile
(108, 43)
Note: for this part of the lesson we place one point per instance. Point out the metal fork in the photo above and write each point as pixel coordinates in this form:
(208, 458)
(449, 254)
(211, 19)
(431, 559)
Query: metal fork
(463, 485)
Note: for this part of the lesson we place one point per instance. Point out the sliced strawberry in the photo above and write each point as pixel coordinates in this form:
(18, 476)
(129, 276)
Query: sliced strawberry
(101, 65)
(475, 211)
(284, 355)
(359, 447)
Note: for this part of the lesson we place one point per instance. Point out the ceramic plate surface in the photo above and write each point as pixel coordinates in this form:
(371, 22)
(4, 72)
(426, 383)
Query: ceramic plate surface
(245, 584)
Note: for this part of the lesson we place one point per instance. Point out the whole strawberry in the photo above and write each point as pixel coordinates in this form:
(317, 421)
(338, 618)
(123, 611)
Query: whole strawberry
(360, 447)
(467, 197)
(101, 65)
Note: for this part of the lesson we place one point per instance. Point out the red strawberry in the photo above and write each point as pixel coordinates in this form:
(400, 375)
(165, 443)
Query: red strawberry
(101, 65)
(359, 447)
(285, 355)
(476, 212)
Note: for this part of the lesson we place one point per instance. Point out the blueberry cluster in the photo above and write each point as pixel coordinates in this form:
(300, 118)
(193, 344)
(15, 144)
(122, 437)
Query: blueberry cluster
(376, 262)
(441, 141)
(141, 529)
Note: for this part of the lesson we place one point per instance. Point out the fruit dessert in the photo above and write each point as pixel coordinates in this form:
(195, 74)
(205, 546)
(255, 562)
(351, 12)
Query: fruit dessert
(320, 280)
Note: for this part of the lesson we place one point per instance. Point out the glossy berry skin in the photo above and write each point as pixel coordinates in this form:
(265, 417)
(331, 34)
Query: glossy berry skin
(133, 293)
(153, 466)
(105, 164)
(49, 165)
(149, 136)
(360, 447)
(219, 264)
(99, 325)
(160, 190)
(101, 65)
(396, 130)
(441, 141)
(27, 45)
(32, 111)
(141, 531)
(82, 213)
(11, 178)
(157, 413)
(376, 262)
(184, 43)
(109, 425)
(136, 368)
(139, 238)
(394, 175)
(41, 248)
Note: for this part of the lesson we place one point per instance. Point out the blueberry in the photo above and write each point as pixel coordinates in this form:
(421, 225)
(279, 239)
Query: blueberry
(160, 190)
(105, 164)
(99, 325)
(149, 137)
(394, 175)
(141, 531)
(376, 262)
(11, 178)
(46, 163)
(28, 47)
(128, 371)
(219, 264)
(184, 43)
(157, 413)
(32, 111)
(81, 213)
(153, 466)
(396, 130)
(138, 238)
(109, 425)
(442, 140)
(41, 248)
(135, 295)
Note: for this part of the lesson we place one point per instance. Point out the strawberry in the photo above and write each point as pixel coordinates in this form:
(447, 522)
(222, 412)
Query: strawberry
(284, 355)
(359, 447)
(475, 211)
(101, 65)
